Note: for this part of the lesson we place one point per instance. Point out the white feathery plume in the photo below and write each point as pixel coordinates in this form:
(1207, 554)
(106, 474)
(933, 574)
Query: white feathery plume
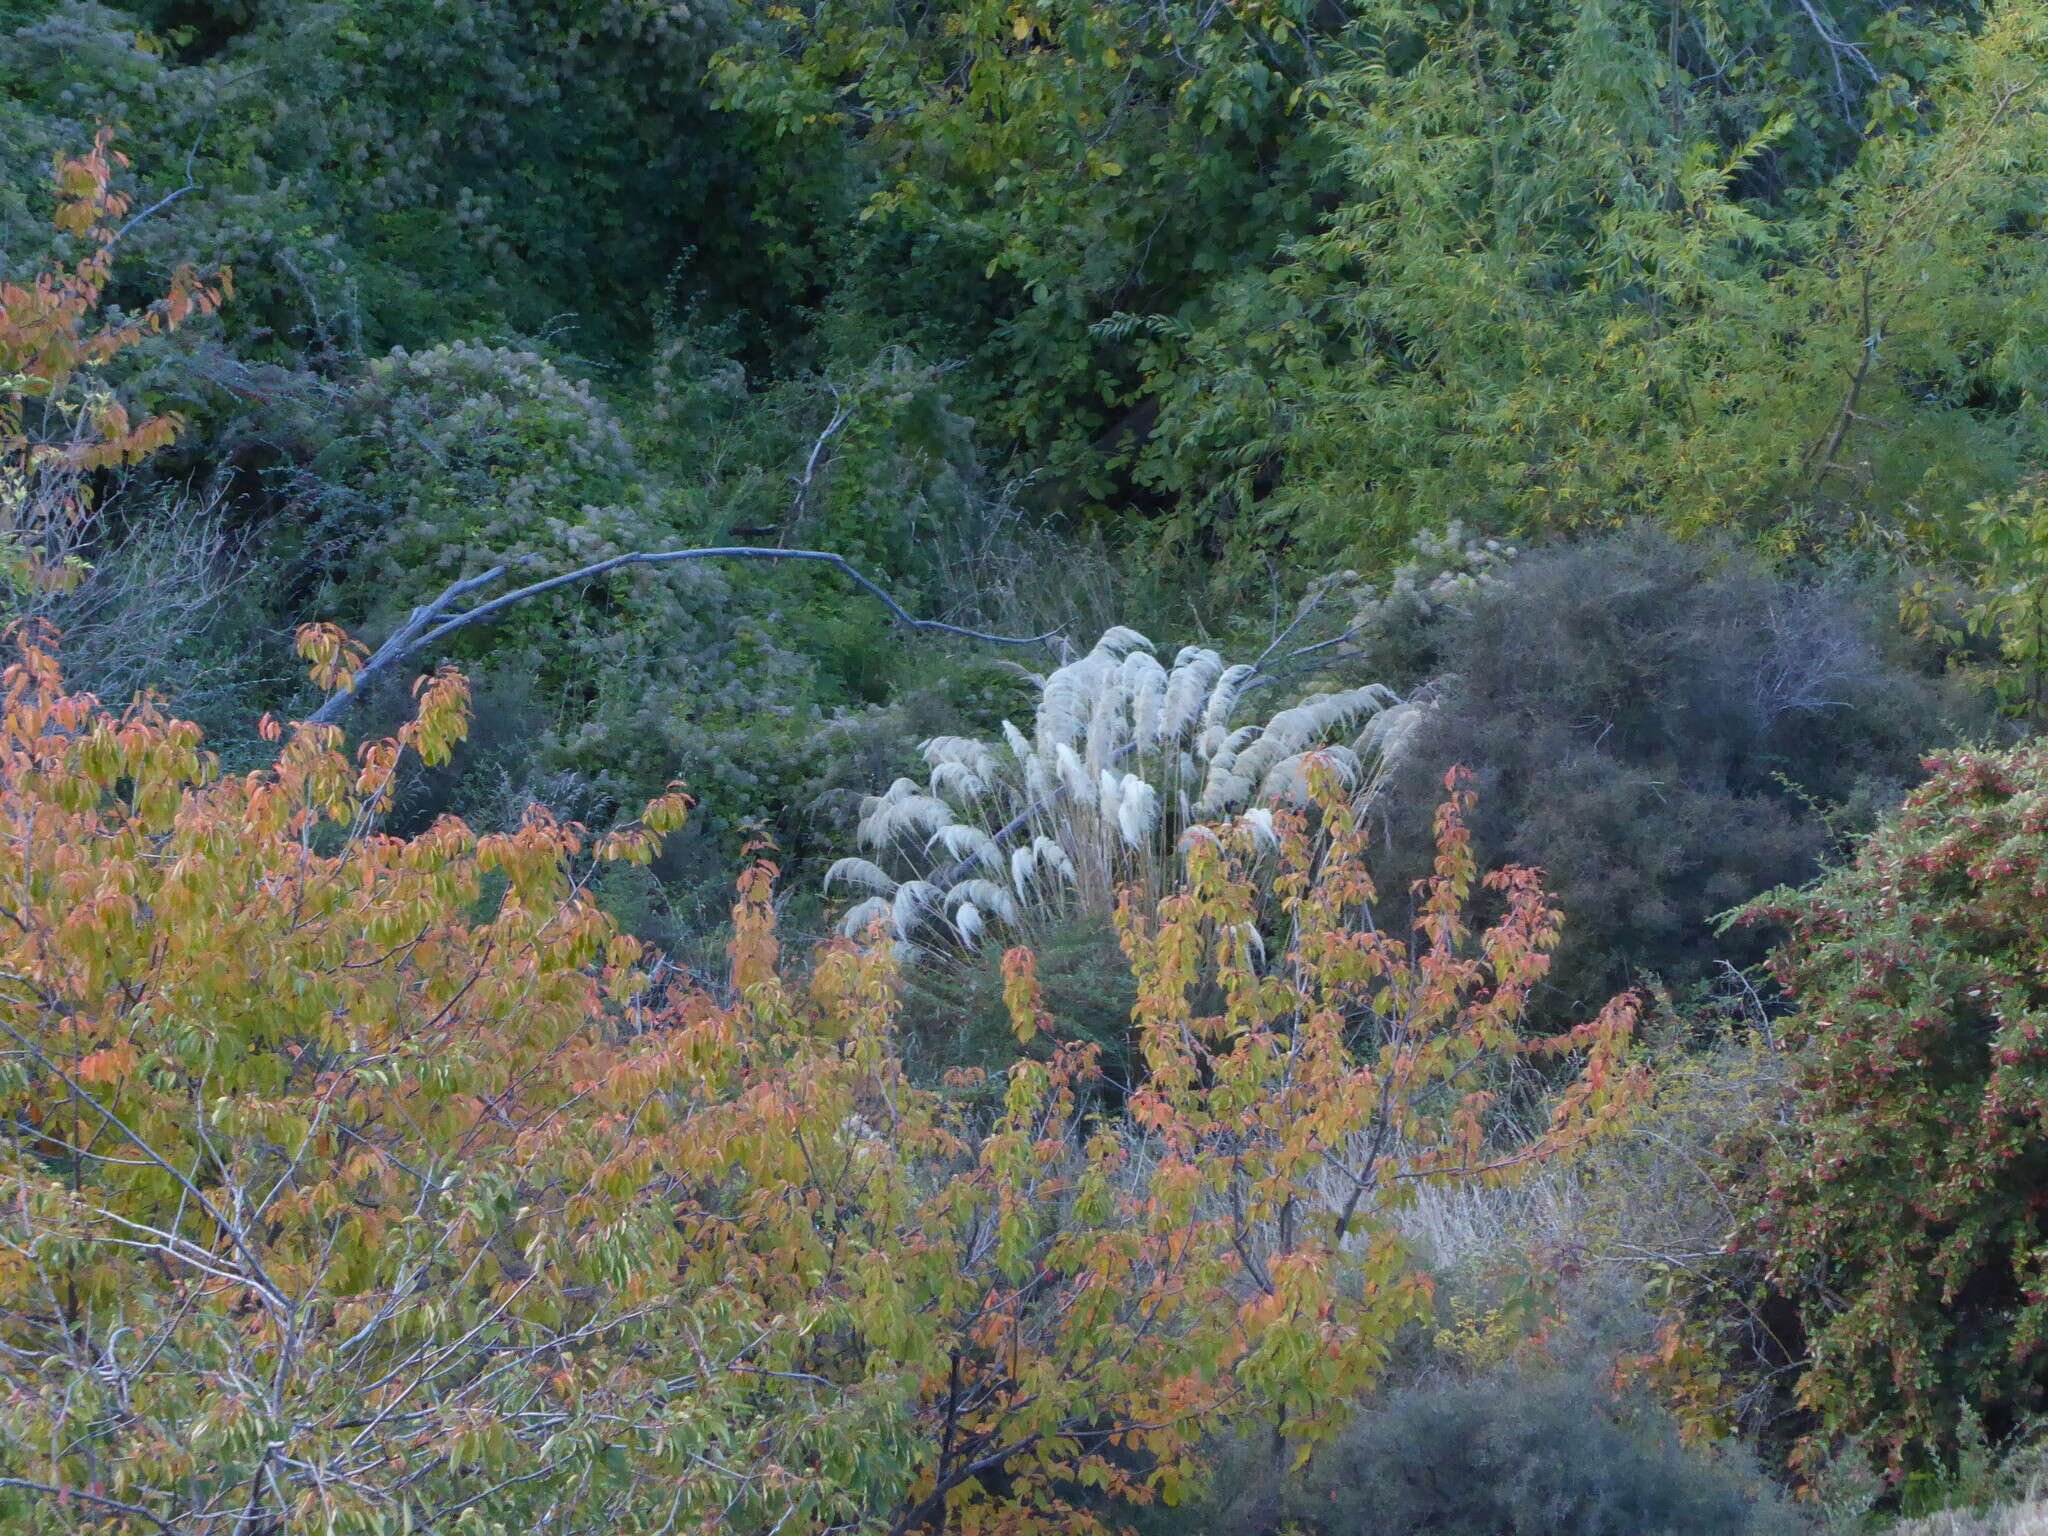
(1222, 791)
(899, 789)
(1109, 793)
(1074, 778)
(1107, 725)
(1222, 705)
(1052, 856)
(904, 810)
(1119, 640)
(1288, 779)
(964, 842)
(1195, 670)
(861, 916)
(1118, 743)
(974, 755)
(1390, 733)
(1038, 784)
(956, 778)
(967, 922)
(912, 898)
(863, 873)
(1137, 811)
(1307, 724)
(1227, 783)
(1144, 684)
(1023, 868)
(1264, 833)
(987, 896)
(1068, 701)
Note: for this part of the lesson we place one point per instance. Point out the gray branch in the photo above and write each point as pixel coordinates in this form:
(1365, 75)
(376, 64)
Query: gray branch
(431, 621)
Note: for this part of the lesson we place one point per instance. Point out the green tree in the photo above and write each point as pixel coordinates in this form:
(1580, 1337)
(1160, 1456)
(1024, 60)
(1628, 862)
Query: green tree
(1575, 273)
(1033, 169)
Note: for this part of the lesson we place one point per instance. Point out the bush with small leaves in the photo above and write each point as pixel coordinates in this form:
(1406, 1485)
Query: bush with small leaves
(1905, 1212)
(1506, 1455)
(1667, 730)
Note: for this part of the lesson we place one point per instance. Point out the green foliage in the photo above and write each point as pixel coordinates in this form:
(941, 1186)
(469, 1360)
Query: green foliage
(1904, 1215)
(383, 171)
(954, 1015)
(1025, 172)
(363, 1181)
(452, 460)
(1999, 598)
(1578, 270)
(1514, 1452)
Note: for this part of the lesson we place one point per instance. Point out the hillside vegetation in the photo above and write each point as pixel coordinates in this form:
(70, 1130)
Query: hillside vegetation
(1192, 768)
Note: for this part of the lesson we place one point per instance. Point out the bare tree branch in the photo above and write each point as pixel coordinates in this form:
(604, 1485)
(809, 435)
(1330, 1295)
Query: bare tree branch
(842, 413)
(433, 620)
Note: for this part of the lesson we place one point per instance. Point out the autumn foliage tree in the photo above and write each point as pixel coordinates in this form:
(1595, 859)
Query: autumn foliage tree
(59, 420)
(364, 1183)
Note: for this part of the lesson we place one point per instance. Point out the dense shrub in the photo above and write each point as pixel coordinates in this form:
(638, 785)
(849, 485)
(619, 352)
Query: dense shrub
(1669, 729)
(1906, 1215)
(388, 171)
(454, 459)
(1506, 1455)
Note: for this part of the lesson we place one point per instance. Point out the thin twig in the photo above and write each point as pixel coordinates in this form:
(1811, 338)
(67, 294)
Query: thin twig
(101, 1500)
